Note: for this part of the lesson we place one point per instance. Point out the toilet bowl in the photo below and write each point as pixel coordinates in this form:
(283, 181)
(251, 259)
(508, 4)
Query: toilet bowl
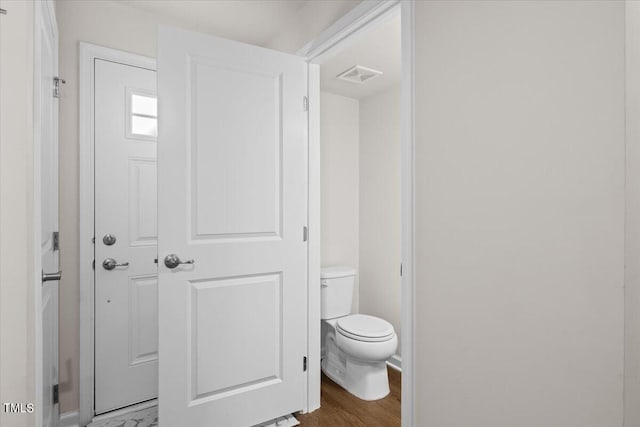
(357, 348)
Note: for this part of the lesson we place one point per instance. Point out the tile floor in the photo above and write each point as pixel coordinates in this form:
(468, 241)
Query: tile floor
(149, 418)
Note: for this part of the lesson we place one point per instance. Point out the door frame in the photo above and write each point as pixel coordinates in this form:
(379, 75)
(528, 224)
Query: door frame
(358, 20)
(88, 54)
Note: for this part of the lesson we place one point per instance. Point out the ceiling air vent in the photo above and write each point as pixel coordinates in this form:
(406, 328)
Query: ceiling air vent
(358, 74)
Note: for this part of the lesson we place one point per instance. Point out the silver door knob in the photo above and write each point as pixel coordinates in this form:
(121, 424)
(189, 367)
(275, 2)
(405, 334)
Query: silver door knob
(49, 277)
(110, 264)
(172, 261)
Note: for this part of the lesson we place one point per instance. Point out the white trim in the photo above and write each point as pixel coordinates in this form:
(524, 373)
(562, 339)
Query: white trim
(88, 54)
(355, 22)
(632, 221)
(359, 20)
(313, 298)
(395, 362)
(70, 419)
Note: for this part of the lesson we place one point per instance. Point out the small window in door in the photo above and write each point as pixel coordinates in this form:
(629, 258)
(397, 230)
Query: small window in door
(142, 114)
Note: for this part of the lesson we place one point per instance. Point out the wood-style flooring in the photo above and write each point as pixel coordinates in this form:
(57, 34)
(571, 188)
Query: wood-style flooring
(339, 408)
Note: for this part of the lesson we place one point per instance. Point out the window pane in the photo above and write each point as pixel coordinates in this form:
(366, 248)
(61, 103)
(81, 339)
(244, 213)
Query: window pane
(147, 105)
(144, 126)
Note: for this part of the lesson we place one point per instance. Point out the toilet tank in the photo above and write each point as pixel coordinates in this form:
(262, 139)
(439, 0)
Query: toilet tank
(336, 291)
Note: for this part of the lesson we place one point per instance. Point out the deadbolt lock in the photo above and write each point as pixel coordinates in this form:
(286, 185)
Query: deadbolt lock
(109, 239)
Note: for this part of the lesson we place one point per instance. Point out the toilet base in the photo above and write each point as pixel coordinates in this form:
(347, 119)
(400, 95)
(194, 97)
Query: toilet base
(365, 380)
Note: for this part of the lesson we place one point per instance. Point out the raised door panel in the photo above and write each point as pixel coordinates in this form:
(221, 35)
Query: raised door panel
(143, 224)
(143, 319)
(236, 151)
(220, 310)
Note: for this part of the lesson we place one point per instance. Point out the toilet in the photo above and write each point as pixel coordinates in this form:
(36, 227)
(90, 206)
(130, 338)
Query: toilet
(356, 346)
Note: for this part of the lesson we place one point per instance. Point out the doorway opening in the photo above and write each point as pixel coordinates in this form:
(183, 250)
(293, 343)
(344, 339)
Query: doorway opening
(360, 176)
(117, 229)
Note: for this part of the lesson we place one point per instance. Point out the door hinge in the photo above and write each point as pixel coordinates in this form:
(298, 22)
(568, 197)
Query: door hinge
(305, 233)
(56, 240)
(305, 103)
(93, 264)
(304, 364)
(400, 269)
(56, 86)
(56, 395)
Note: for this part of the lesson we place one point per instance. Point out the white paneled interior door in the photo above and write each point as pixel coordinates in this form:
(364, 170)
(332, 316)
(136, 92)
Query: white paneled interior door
(126, 291)
(232, 197)
(47, 136)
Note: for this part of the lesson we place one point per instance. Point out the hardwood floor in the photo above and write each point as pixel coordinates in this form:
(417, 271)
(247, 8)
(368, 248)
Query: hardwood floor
(339, 408)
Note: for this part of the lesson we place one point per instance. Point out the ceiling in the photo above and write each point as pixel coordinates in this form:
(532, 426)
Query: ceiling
(259, 21)
(378, 48)
(252, 21)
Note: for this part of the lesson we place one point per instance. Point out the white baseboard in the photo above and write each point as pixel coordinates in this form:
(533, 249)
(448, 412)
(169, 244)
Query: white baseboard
(395, 362)
(70, 419)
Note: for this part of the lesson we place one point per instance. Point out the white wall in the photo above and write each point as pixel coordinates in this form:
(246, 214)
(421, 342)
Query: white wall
(339, 153)
(309, 22)
(520, 213)
(380, 222)
(17, 247)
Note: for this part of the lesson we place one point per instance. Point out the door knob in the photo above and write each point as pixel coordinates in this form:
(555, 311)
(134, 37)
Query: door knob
(48, 277)
(110, 264)
(172, 261)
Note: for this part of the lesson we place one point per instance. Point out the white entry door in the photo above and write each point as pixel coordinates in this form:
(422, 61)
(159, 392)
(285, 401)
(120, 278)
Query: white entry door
(232, 205)
(47, 136)
(126, 299)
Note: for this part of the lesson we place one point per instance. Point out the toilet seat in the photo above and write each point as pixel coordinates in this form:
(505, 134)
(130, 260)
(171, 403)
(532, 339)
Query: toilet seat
(361, 327)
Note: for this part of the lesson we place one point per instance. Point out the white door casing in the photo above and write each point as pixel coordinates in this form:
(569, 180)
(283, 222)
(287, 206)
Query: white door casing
(125, 207)
(46, 132)
(232, 180)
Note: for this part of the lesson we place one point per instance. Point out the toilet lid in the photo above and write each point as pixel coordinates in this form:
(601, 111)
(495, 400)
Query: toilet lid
(362, 327)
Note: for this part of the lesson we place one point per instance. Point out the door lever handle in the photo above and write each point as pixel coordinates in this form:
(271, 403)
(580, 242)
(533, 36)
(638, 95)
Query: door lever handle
(51, 277)
(110, 264)
(172, 261)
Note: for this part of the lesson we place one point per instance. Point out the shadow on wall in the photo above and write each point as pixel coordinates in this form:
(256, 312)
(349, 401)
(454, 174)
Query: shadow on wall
(68, 384)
